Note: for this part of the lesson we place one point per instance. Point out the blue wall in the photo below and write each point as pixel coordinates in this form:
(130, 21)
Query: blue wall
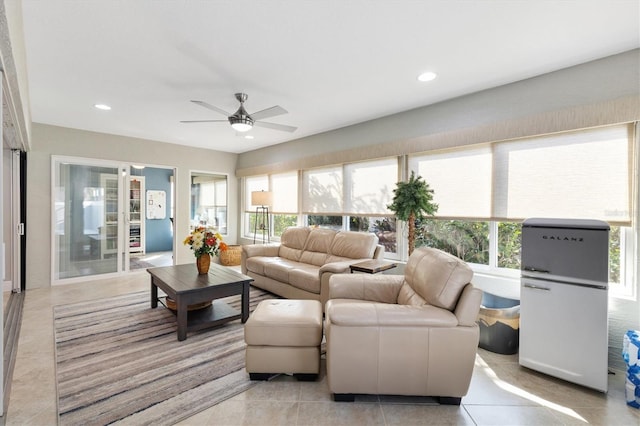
(158, 232)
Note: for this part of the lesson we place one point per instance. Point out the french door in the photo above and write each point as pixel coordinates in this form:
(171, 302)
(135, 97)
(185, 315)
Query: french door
(88, 218)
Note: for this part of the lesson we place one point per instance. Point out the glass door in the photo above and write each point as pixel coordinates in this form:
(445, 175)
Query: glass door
(87, 218)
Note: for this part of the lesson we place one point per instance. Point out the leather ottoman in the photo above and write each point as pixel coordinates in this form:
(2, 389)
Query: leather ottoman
(284, 336)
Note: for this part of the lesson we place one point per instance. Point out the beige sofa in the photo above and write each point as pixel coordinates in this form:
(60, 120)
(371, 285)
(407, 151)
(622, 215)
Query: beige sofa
(301, 265)
(404, 335)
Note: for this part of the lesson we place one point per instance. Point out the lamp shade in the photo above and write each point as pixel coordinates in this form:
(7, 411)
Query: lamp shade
(261, 198)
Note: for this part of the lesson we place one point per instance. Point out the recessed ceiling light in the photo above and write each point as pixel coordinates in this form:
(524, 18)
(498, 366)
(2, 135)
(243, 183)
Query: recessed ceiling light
(427, 76)
(102, 107)
(248, 137)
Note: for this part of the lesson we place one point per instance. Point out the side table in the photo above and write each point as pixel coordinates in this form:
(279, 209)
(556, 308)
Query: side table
(372, 266)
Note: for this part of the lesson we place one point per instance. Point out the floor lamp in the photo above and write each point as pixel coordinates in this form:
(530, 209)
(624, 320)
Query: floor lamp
(262, 199)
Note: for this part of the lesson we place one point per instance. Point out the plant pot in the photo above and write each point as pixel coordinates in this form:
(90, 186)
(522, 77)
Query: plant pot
(203, 262)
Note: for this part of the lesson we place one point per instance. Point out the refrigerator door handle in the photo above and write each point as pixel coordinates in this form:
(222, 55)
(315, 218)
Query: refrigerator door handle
(537, 287)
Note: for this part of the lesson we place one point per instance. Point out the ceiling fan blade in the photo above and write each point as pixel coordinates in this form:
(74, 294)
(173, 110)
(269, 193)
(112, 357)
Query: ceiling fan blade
(204, 121)
(275, 126)
(211, 107)
(269, 112)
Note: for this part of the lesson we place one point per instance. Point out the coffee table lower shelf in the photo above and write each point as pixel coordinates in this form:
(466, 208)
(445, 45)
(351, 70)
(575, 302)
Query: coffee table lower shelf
(217, 314)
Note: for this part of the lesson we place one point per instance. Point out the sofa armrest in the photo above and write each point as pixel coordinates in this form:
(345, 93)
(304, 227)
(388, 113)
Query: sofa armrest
(468, 306)
(379, 252)
(327, 270)
(373, 288)
(341, 267)
(252, 250)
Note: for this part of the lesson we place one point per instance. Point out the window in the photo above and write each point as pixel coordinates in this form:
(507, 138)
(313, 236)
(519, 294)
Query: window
(331, 222)
(322, 191)
(284, 187)
(461, 181)
(283, 221)
(509, 244)
(368, 186)
(485, 192)
(354, 197)
(582, 175)
(252, 217)
(467, 240)
(351, 196)
(383, 227)
(284, 210)
(209, 200)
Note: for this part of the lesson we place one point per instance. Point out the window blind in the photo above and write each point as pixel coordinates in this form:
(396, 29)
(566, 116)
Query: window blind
(285, 193)
(254, 183)
(207, 193)
(322, 191)
(369, 186)
(585, 174)
(461, 181)
(221, 192)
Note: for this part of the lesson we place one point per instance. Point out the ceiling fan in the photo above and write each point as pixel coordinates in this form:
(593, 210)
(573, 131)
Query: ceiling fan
(241, 120)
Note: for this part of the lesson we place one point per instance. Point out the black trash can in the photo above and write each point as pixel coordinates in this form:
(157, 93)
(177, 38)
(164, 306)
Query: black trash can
(499, 322)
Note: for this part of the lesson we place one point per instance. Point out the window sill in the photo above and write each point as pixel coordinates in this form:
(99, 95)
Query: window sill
(499, 285)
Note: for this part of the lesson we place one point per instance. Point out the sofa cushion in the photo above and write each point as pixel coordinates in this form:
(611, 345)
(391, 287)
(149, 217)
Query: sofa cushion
(317, 247)
(256, 264)
(292, 242)
(352, 245)
(435, 276)
(305, 277)
(279, 269)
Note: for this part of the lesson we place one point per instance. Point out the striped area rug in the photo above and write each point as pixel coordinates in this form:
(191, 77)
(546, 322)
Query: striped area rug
(119, 361)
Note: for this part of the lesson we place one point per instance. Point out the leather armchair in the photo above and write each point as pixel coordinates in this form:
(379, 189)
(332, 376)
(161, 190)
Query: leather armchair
(411, 334)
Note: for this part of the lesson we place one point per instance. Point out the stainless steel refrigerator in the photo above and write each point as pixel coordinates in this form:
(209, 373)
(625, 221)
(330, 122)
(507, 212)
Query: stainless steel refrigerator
(563, 299)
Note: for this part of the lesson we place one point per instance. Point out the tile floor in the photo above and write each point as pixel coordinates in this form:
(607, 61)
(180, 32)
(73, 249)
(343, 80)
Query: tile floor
(501, 392)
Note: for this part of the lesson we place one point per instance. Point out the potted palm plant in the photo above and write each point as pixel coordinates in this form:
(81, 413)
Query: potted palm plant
(412, 199)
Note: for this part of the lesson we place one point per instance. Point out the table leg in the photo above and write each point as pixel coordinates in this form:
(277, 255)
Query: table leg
(154, 295)
(182, 319)
(245, 302)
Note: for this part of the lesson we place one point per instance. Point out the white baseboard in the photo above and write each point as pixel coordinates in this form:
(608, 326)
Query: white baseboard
(7, 286)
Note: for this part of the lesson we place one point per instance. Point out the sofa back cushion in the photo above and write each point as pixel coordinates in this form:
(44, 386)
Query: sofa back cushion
(352, 245)
(292, 242)
(434, 276)
(317, 247)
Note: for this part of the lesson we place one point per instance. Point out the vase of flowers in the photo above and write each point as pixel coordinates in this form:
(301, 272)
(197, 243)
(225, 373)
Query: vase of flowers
(204, 242)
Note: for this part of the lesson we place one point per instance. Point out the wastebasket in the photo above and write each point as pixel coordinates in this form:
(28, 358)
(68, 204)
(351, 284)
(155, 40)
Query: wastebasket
(499, 322)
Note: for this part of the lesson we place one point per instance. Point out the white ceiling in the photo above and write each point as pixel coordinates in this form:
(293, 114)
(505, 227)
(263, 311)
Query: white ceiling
(330, 63)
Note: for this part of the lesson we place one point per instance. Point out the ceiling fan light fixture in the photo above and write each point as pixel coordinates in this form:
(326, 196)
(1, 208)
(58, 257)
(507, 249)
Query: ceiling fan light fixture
(241, 124)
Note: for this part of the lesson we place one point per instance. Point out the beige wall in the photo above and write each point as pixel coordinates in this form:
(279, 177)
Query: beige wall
(597, 93)
(51, 140)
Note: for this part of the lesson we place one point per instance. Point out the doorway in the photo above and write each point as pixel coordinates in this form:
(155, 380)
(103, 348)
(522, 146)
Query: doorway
(151, 195)
(101, 218)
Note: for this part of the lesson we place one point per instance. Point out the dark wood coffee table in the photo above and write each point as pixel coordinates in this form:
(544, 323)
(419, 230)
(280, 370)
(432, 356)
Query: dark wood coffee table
(185, 286)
